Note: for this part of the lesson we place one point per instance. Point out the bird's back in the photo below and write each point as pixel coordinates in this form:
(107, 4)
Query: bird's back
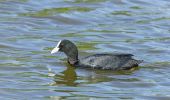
(109, 61)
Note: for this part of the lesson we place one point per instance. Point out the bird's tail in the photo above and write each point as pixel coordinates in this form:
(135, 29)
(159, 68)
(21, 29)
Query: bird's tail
(131, 64)
(138, 61)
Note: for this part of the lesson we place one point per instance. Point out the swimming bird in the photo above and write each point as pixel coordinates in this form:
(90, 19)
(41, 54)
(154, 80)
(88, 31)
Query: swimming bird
(112, 61)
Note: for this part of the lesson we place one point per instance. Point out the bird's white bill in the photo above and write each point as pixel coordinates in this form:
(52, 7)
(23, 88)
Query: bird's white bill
(56, 49)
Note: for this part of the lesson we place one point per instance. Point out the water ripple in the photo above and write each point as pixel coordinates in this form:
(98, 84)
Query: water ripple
(29, 29)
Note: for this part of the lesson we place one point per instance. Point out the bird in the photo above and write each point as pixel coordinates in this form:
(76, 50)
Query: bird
(104, 61)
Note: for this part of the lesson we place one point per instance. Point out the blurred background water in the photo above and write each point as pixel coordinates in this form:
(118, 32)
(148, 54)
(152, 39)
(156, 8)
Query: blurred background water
(29, 29)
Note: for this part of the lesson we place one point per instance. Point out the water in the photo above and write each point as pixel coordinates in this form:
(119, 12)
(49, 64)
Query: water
(29, 29)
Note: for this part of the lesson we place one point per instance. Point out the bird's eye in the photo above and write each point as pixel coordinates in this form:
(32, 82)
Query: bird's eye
(61, 45)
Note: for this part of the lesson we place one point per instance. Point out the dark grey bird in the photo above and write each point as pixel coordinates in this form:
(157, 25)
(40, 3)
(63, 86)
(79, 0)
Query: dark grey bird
(96, 61)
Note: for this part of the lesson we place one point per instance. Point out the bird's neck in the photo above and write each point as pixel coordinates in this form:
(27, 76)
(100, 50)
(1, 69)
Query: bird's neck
(72, 54)
(72, 57)
(72, 61)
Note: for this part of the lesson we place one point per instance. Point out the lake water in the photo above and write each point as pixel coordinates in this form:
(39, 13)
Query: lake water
(29, 29)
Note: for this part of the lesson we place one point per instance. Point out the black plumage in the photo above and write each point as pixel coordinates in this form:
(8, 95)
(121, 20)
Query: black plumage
(97, 61)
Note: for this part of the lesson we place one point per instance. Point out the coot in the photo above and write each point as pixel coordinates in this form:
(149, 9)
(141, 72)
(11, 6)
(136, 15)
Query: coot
(96, 61)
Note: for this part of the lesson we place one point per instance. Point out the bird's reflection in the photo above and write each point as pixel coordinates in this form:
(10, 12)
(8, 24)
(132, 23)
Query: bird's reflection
(67, 77)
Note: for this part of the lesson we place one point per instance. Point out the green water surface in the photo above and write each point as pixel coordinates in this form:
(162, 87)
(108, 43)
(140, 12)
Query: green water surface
(29, 29)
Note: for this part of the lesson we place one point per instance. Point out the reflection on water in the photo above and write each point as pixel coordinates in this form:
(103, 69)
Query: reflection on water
(68, 77)
(29, 29)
